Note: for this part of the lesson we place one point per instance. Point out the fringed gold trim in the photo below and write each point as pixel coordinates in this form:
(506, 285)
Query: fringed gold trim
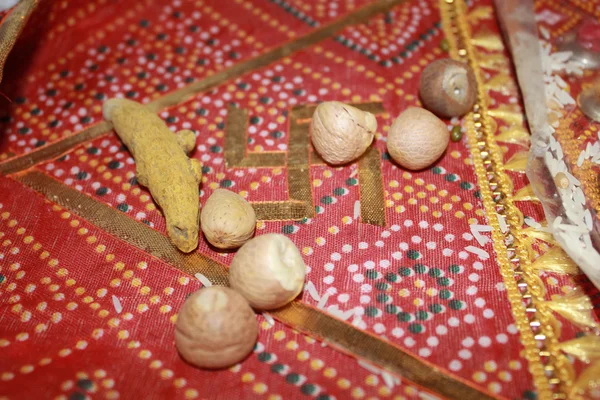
(585, 348)
(576, 307)
(487, 40)
(588, 381)
(525, 194)
(506, 113)
(491, 179)
(515, 135)
(534, 234)
(557, 261)
(517, 163)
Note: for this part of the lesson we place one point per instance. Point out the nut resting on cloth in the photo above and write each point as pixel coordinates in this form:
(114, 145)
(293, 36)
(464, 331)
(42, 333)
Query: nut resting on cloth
(417, 138)
(268, 271)
(162, 165)
(227, 219)
(216, 328)
(341, 133)
(448, 88)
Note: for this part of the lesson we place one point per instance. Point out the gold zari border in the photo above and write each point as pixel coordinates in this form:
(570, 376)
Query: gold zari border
(11, 28)
(339, 334)
(548, 366)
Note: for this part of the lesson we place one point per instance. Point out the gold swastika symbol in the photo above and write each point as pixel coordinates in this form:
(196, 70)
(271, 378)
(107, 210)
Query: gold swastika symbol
(298, 159)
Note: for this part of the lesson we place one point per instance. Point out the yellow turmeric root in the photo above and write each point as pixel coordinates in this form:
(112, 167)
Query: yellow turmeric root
(162, 165)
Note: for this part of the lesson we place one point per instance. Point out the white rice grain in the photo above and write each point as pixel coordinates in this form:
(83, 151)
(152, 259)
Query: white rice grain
(581, 158)
(312, 291)
(117, 304)
(388, 379)
(532, 223)
(323, 300)
(268, 318)
(587, 217)
(484, 255)
(205, 281)
(502, 223)
(369, 367)
(476, 232)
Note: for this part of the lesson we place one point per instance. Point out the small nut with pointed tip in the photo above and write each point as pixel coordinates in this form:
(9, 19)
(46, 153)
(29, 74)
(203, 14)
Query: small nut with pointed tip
(448, 88)
(341, 133)
(417, 138)
(227, 219)
(216, 328)
(268, 271)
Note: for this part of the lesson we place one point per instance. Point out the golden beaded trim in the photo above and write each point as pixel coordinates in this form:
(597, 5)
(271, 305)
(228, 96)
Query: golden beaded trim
(550, 369)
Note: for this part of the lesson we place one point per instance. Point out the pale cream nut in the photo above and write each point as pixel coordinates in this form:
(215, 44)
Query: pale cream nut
(216, 328)
(341, 133)
(417, 138)
(227, 219)
(268, 271)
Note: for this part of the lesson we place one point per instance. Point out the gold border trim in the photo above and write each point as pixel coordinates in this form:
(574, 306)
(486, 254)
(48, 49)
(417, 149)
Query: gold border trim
(525, 290)
(339, 334)
(11, 28)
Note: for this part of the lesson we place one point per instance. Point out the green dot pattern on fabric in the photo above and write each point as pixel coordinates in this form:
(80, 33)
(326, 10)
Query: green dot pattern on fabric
(340, 191)
(530, 395)
(371, 274)
(292, 378)
(289, 229)
(264, 356)
(456, 304)
(226, 183)
(326, 200)
(416, 328)
(436, 308)
(382, 298)
(391, 277)
(435, 272)
(351, 182)
(456, 269)
(277, 368)
(413, 254)
(371, 311)
(391, 309)
(404, 316)
(466, 185)
(123, 207)
(445, 294)
(422, 315)
(444, 281)
(404, 271)
(420, 268)
(308, 389)
(451, 177)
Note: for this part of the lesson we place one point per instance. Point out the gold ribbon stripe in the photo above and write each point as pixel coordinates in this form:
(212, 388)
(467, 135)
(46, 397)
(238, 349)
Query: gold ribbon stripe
(171, 99)
(311, 321)
(12, 27)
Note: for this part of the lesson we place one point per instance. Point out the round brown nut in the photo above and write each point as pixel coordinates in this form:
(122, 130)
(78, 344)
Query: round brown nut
(341, 133)
(227, 219)
(216, 328)
(417, 138)
(448, 88)
(268, 271)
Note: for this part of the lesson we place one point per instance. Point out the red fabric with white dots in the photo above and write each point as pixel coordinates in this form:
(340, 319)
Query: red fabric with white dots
(411, 281)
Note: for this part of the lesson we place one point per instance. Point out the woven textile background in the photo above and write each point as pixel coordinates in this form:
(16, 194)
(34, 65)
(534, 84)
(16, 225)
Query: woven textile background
(392, 245)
